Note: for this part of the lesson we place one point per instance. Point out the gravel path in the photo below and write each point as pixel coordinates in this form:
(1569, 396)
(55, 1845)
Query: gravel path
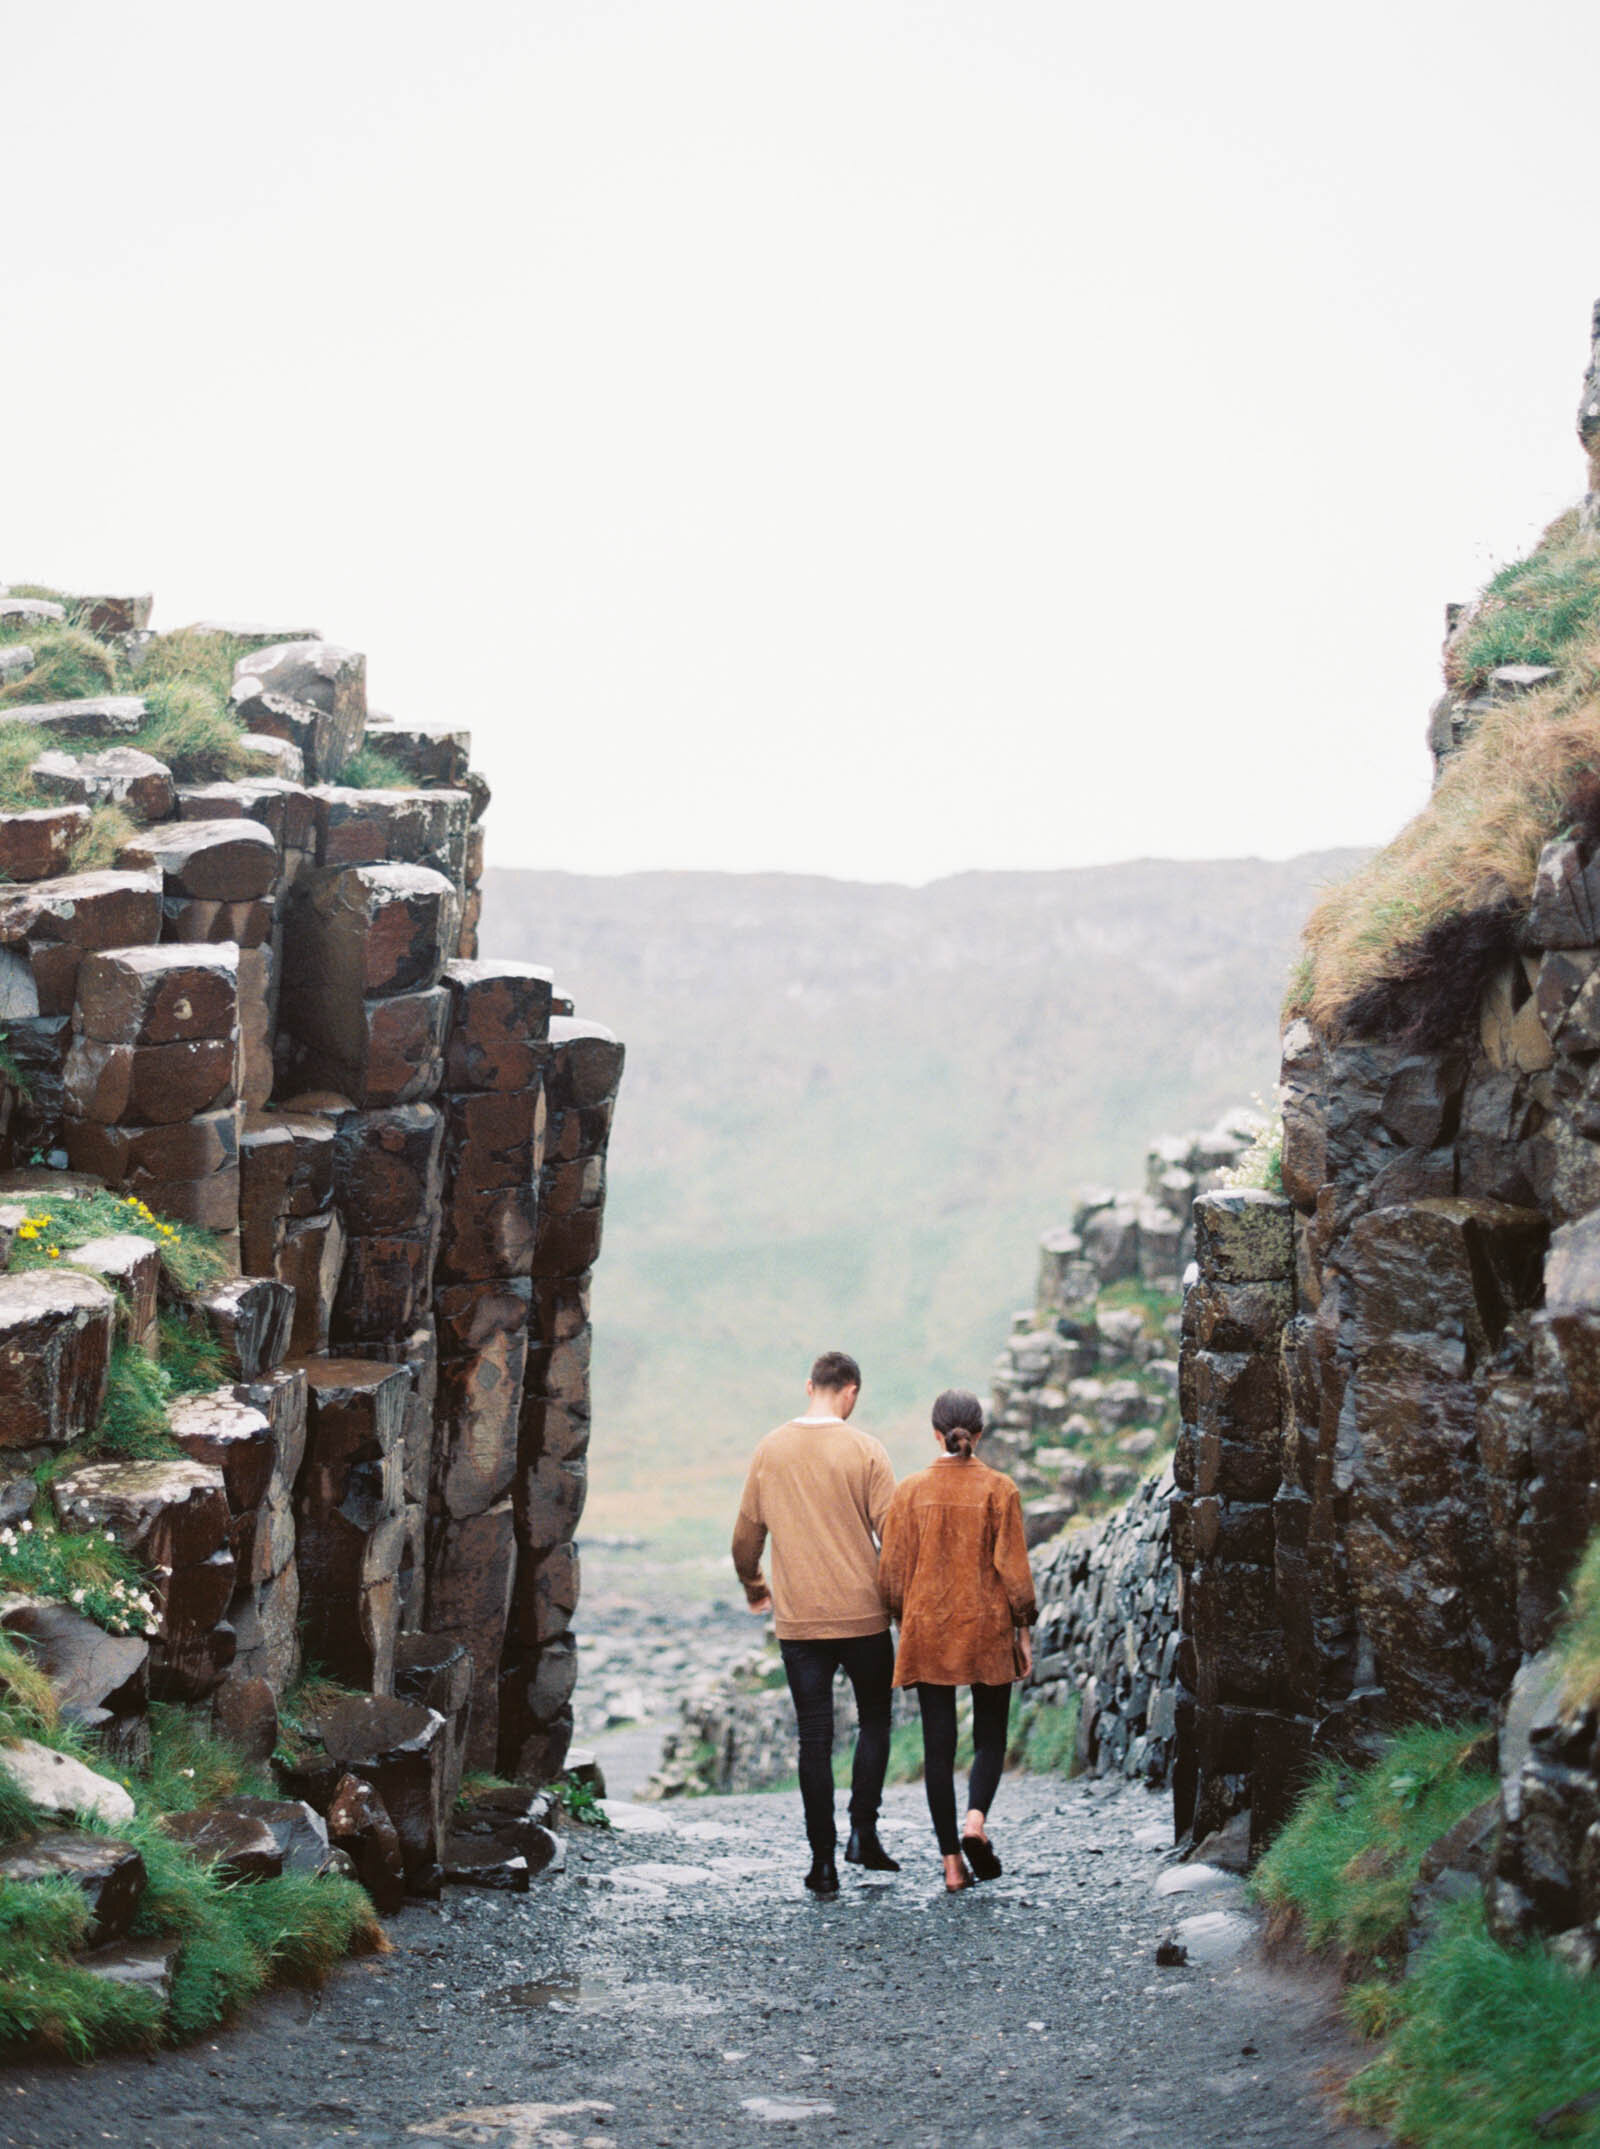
(675, 1985)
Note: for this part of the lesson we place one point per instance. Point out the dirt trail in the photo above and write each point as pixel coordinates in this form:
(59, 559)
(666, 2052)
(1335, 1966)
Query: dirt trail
(675, 1985)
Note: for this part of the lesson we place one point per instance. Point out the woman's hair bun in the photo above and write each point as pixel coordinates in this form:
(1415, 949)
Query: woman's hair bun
(958, 1420)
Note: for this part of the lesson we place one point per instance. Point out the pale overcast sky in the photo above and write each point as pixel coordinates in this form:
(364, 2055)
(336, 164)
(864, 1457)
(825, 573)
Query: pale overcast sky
(876, 437)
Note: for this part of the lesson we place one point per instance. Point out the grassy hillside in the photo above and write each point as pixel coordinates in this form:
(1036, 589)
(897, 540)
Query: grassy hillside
(850, 1110)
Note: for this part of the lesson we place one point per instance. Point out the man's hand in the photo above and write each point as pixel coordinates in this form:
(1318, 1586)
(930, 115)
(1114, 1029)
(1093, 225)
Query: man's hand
(1025, 1650)
(758, 1598)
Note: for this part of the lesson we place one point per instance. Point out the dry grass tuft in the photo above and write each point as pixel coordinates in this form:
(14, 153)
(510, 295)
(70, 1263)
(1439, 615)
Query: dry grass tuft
(1523, 777)
(101, 842)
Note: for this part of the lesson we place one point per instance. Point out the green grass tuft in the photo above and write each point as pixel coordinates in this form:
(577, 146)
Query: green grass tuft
(370, 769)
(100, 845)
(133, 1422)
(1342, 1870)
(1045, 1741)
(68, 665)
(20, 747)
(1490, 2041)
(56, 1225)
(191, 729)
(204, 660)
(190, 1767)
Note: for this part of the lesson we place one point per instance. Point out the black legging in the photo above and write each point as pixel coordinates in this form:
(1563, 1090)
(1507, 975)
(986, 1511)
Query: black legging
(991, 1709)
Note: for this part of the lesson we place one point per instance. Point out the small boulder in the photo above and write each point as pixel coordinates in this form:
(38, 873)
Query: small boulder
(110, 1873)
(59, 1785)
(241, 1845)
(359, 1825)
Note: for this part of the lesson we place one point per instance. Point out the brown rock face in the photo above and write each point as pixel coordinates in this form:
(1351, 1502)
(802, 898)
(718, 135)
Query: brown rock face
(149, 1085)
(230, 861)
(197, 921)
(359, 1825)
(388, 1167)
(53, 921)
(483, 1350)
(321, 675)
(384, 1287)
(402, 1750)
(426, 828)
(470, 1573)
(310, 1260)
(131, 1265)
(499, 1024)
(121, 776)
(374, 1052)
(55, 1344)
(158, 995)
(249, 1319)
(350, 1517)
(358, 931)
(323, 739)
(35, 844)
(110, 1873)
(137, 1159)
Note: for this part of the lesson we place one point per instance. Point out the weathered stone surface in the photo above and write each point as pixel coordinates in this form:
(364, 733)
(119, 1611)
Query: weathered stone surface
(233, 1438)
(94, 1674)
(299, 1830)
(99, 716)
(28, 611)
(110, 1873)
(1562, 915)
(281, 807)
(56, 920)
(470, 1577)
(286, 1166)
(365, 930)
(249, 1317)
(350, 1517)
(310, 1260)
(240, 1845)
(1572, 1302)
(388, 1167)
(111, 616)
(173, 1514)
(61, 1787)
(281, 756)
(488, 1232)
(484, 1341)
(137, 1159)
(149, 1085)
(38, 843)
(320, 674)
(374, 1052)
(120, 776)
(425, 828)
(1244, 1237)
(159, 995)
(499, 1024)
(323, 739)
(490, 1138)
(130, 1265)
(359, 1826)
(56, 1330)
(229, 861)
(384, 1287)
(435, 1672)
(244, 1711)
(402, 1750)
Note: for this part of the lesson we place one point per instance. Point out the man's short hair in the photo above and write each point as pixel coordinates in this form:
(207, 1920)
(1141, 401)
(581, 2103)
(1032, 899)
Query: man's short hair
(835, 1370)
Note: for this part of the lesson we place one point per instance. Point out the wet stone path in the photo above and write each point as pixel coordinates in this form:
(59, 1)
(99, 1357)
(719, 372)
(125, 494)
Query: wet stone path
(676, 1985)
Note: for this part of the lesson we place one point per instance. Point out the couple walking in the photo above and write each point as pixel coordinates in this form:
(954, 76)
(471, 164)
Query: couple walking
(942, 1555)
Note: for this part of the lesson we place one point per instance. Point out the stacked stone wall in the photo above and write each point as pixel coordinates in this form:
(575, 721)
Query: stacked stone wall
(269, 1020)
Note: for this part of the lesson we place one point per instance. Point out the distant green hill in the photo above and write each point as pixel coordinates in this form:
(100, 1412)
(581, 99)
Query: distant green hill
(850, 1109)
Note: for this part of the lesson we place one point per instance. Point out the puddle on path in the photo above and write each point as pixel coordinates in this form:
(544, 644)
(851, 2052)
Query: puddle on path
(1216, 1936)
(1197, 1880)
(786, 2110)
(561, 1995)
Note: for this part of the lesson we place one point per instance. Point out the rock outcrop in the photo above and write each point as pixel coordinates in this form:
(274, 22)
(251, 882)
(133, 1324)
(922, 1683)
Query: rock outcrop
(269, 1021)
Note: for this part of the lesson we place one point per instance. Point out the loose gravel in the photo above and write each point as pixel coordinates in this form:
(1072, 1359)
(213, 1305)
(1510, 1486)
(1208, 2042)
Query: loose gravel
(676, 1985)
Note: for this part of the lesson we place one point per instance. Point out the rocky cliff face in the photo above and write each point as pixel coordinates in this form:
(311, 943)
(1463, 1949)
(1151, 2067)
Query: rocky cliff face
(266, 1019)
(1391, 1411)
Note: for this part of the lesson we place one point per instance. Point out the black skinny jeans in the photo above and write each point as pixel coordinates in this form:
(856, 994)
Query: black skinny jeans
(867, 1661)
(991, 1708)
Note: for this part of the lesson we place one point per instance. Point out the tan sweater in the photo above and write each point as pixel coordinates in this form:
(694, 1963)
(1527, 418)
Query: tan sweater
(821, 1492)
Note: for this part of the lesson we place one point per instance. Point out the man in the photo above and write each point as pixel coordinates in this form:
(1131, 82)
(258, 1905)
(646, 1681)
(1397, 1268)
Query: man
(820, 1490)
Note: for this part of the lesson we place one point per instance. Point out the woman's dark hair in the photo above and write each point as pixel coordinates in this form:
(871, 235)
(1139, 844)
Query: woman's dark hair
(958, 1420)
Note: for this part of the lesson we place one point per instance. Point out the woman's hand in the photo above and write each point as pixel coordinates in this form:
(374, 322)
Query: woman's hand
(1025, 1649)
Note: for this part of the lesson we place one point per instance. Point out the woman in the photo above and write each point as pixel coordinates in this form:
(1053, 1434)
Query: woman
(954, 1572)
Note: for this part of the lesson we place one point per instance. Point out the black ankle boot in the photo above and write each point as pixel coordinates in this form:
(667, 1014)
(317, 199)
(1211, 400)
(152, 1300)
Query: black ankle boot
(823, 1879)
(865, 1849)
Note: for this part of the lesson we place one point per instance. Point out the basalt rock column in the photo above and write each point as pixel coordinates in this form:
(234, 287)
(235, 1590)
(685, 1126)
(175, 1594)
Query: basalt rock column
(494, 1058)
(540, 1667)
(1228, 1469)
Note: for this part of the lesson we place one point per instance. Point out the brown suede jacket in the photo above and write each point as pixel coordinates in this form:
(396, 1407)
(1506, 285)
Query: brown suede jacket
(954, 1572)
